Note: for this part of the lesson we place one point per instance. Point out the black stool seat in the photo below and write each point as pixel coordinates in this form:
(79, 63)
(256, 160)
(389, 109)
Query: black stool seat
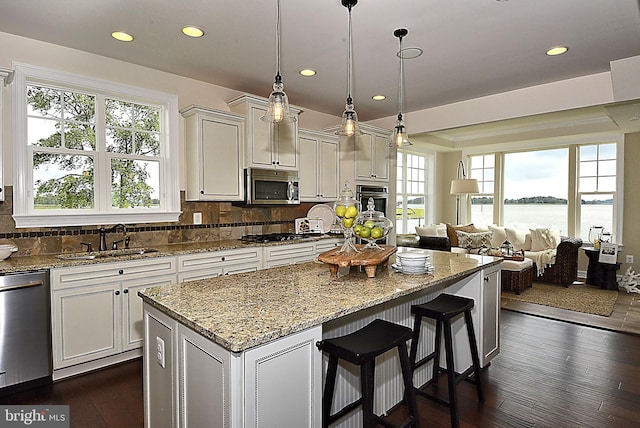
(361, 348)
(443, 309)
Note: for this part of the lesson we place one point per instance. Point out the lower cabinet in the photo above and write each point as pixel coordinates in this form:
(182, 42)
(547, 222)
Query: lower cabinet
(290, 254)
(199, 383)
(97, 314)
(328, 244)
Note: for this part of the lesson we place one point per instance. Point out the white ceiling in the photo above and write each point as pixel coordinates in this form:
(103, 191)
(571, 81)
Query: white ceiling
(471, 48)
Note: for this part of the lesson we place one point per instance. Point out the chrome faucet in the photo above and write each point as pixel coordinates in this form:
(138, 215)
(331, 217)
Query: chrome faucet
(103, 236)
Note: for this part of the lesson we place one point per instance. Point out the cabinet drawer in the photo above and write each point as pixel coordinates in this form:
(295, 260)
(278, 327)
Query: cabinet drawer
(100, 272)
(293, 251)
(199, 261)
(328, 244)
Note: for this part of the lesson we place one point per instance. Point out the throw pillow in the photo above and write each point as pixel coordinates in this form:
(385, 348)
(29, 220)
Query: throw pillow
(471, 241)
(451, 232)
(544, 239)
(432, 230)
(498, 237)
(520, 239)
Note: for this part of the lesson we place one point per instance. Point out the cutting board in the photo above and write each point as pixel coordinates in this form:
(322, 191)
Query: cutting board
(370, 258)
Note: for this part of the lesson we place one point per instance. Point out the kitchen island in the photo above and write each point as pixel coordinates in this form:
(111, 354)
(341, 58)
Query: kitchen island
(239, 351)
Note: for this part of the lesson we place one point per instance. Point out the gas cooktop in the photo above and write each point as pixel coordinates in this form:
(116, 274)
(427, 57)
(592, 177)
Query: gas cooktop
(272, 237)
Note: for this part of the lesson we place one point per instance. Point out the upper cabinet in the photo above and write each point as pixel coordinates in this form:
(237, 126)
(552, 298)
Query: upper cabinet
(270, 146)
(214, 154)
(367, 160)
(5, 78)
(318, 166)
(372, 155)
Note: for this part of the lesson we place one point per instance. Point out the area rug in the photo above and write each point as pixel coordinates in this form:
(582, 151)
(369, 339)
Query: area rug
(579, 298)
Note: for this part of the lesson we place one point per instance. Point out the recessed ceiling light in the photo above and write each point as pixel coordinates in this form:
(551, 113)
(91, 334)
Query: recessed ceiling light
(378, 97)
(557, 50)
(307, 72)
(122, 36)
(192, 31)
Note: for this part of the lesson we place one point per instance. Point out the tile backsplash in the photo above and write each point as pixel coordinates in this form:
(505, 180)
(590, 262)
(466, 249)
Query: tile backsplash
(220, 221)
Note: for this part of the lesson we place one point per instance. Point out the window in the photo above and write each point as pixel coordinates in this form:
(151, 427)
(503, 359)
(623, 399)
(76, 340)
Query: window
(482, 168)
(552, 186)
(92, 152)
(597, 187)
(411, 185)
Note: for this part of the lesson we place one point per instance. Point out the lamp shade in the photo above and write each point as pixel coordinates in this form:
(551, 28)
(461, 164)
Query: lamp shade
(464, 186)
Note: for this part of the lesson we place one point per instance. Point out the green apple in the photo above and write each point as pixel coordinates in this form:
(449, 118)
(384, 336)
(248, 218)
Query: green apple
(351, 212)
(377, 232)
(370, 224)
(365, 232)
(357, 228)
(347, 222)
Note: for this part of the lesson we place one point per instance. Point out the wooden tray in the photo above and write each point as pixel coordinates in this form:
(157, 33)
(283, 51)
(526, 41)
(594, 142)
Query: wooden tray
(370, 258)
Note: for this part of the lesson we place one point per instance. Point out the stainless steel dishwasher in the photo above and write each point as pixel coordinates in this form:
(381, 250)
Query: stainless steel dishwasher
(25, 329)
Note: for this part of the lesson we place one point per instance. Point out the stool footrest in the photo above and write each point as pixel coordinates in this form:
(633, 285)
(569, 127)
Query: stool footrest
(424, 360)
(346, 409)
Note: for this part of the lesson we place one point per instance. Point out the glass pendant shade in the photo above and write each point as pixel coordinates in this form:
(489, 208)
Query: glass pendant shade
(400, 137)
(278, 108)
(349, 125)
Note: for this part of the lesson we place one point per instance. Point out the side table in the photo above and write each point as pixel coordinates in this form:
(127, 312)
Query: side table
(601, 275)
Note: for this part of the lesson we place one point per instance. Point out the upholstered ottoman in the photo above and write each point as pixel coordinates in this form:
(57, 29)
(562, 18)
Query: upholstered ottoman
(517, 275)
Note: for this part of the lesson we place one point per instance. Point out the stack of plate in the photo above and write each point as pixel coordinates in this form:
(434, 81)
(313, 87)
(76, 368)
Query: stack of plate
(412, 263)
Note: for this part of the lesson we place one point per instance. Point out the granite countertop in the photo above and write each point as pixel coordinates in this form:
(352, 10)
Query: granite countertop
(245, 310)
(27, 263)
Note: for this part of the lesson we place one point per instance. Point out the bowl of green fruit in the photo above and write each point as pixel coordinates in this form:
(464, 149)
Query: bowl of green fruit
(372, 226)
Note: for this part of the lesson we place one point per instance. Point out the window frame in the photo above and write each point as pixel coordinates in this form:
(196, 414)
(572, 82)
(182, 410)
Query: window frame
(401, 176)
(573, 213)
(23, 212)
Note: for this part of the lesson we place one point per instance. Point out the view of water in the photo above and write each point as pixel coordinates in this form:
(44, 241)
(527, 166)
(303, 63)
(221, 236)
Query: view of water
(524, 216)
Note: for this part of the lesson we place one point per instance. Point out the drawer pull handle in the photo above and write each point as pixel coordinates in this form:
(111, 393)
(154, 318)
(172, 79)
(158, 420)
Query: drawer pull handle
(486, 279)
(117, 292)
(125, 291)
(223, 258)
(121, 271)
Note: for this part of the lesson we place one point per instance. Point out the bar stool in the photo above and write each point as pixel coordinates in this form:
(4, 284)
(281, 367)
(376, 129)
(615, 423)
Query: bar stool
(443, 309)
(361, 348)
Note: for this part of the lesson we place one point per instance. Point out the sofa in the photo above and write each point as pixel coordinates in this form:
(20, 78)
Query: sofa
(555, 257)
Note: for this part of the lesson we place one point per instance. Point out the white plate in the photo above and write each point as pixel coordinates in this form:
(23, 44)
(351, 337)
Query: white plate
(326, 213)
(426, 269)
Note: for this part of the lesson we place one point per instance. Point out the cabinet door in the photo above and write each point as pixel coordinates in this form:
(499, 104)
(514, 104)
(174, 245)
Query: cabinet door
(132, 311)
(308, 169)
(259, 141)
(328, 170)
(364, 156)
(380, 162)
(284, 377)
(221, 162)
(285, 145)
(86, 323)
(490, 334)
(205, 381)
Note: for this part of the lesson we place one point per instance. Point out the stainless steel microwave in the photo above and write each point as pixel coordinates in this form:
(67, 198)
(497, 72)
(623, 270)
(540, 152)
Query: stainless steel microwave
(271, 187)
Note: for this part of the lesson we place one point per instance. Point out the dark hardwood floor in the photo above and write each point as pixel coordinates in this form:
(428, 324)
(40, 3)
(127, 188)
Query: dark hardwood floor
(549, 374)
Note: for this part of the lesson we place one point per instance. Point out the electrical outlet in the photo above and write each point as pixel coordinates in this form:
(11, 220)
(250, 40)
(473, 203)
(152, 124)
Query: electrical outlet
(629, 258)
(160, 351)
(197, 218)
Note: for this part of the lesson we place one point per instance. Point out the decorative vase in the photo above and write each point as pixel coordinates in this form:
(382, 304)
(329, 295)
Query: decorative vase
(347, 209)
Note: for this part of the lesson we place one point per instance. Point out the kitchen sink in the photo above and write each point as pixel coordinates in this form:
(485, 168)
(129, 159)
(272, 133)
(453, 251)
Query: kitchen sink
(106, 254)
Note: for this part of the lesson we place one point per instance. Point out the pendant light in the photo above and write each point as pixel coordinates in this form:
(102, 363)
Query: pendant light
(278, 108)
(349, 124)
(400, 137)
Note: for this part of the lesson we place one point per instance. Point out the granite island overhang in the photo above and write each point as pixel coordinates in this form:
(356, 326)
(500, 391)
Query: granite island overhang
(241, 311)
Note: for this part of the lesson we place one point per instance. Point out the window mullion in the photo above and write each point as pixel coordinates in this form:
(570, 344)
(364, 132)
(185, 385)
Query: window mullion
(102, 165)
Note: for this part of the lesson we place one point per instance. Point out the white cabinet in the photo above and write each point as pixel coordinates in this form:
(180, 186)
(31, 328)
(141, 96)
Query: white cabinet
(96, 310)
(372, 155)
(318, 166)
(490, 333)
(216, 263)
(290, 254)
(5, 78)
(271, 146)
(214, 155)
(328, 244)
